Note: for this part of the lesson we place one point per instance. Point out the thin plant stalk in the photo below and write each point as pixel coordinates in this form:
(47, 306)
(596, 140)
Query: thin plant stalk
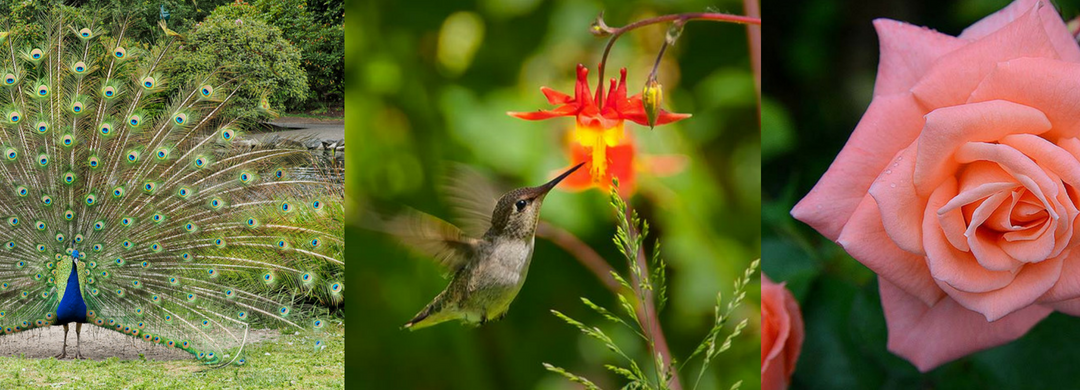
(753, 9)
(581, 251)
(616, 32)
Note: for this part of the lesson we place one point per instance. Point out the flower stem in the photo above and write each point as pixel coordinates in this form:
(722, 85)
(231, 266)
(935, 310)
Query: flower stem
(580, 250)
(681, 18)
(753, 9)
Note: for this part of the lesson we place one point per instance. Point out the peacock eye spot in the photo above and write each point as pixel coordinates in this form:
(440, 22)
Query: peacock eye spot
(521, 204)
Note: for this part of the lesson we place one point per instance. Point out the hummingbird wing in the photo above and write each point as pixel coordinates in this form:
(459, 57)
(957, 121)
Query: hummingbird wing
(433, 237)
(471, 196)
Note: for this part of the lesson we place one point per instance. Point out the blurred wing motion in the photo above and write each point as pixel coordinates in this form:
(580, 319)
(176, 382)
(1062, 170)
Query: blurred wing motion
(433, 237)
(472, 198)
(182, 239)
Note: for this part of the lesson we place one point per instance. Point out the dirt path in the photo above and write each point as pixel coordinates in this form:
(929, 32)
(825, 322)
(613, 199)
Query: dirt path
(98, 344)
(304, 128)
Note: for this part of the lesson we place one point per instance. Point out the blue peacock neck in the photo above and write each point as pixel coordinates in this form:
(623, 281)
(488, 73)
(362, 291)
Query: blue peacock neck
(72, 308)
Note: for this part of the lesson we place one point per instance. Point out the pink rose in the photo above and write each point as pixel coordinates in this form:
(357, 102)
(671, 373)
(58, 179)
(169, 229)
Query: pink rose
(960, 186)
(781, 335)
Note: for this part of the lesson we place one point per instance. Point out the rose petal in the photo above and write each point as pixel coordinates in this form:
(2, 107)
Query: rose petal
(978, 180)
(1070, 307)
(1031, 282)
(1031, 248)
(1068, 284)
(1021, 167)
(789, 322)
(952, 79)
(890, 124)
(1058, 160)
(1053, 25)
(865, 239)
(929, 336)
(895, 194)
(990, 256)
(1051, 85)
(985, 246)
(1017, 217)
(1071, 145)
(773, 377)
(953, 226)
(959, 269)
(907, 52)
(949, 128)
(775, 326)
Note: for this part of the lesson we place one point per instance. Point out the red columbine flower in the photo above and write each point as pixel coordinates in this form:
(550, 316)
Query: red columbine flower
(620, 164)
(625, 163)
(599, 126)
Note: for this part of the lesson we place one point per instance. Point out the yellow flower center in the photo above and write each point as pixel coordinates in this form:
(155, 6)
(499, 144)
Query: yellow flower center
(599, 139)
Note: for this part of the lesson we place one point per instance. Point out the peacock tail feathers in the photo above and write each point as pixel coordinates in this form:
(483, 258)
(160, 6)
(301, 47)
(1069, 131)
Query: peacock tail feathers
(184, 238)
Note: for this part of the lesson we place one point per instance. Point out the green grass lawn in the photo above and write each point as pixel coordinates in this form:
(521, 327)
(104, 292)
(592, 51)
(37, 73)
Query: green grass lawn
(287, 362)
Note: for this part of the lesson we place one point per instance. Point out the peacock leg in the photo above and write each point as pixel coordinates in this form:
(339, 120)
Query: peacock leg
(78, 329)
(63, 351)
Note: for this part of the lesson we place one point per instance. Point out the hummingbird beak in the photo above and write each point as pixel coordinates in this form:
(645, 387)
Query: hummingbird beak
(551, 184)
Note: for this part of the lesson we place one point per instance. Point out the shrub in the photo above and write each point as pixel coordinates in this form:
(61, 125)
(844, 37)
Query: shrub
(246, 49)
(316, 28)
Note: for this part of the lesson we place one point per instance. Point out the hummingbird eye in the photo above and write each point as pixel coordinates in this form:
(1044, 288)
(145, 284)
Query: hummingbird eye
(521, 204)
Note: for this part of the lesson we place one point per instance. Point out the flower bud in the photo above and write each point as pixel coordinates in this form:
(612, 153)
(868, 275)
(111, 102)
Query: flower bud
(598, 27)
(651, 97)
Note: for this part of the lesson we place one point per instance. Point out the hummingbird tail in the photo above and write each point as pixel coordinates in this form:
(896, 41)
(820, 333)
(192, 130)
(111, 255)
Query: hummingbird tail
(431, 315)
(411, 325)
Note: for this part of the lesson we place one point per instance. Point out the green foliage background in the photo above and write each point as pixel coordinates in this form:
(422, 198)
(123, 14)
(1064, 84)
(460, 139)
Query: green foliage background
(416, 110)
(820, 60)
(316, 29)
(292, 48)
(252, 51)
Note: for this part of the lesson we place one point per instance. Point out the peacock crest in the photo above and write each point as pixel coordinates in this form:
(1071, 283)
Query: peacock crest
(126, 205)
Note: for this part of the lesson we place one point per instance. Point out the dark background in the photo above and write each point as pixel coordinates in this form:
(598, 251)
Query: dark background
(820, 60)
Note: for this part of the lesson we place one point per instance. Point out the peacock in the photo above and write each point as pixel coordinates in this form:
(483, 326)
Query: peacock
(127, 203)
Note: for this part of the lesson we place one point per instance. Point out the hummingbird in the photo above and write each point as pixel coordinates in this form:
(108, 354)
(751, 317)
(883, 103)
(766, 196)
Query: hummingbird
(487, 269)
